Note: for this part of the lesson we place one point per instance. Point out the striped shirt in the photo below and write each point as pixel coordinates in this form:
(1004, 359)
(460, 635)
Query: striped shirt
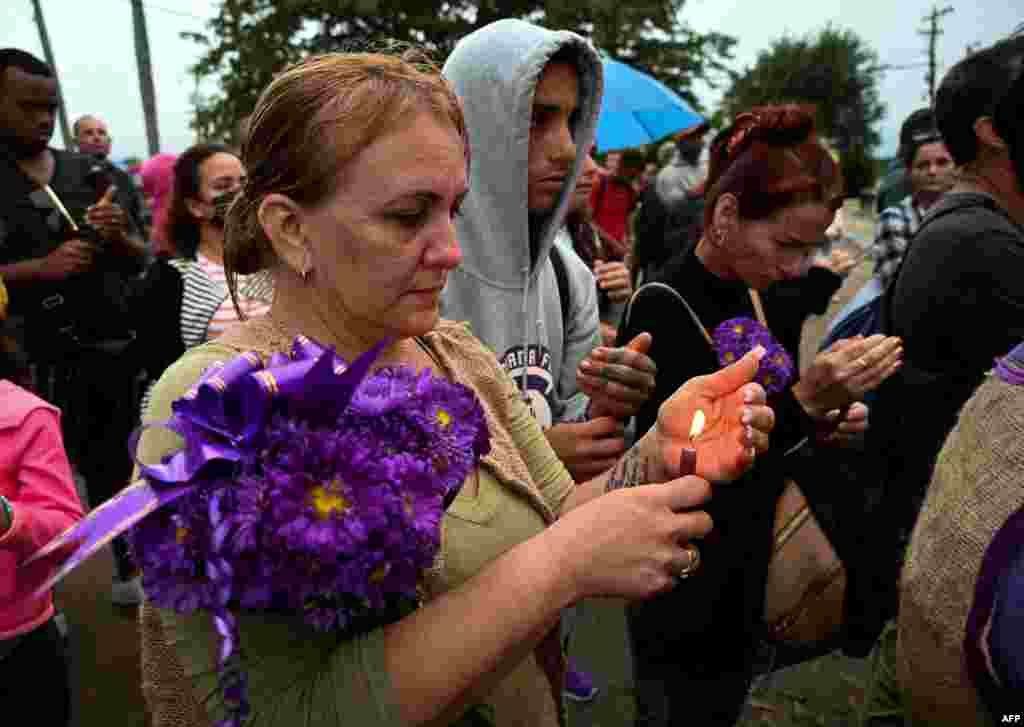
(206, 308)
(896, 226)
(226, 316)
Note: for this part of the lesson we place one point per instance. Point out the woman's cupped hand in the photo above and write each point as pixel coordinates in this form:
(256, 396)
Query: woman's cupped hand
(736, 422)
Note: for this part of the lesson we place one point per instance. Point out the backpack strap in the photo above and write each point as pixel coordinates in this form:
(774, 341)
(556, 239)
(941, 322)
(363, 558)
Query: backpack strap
(562, 278)
(656, 288)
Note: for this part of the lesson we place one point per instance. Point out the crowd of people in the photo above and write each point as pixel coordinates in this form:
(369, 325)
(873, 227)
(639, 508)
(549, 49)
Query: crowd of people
(457, 218)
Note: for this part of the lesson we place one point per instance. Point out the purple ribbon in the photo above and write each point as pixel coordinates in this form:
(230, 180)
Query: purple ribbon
(221, 420)
(1010, 368)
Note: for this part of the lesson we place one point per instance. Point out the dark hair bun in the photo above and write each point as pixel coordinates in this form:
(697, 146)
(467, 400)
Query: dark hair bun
(786, 125)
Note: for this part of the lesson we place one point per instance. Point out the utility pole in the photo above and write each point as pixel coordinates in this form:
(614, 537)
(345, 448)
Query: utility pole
(145, 76)
(44, 38)
(932, 32)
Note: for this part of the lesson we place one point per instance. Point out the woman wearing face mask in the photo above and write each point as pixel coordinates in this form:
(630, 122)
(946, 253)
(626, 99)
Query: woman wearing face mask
(772, 190)
(187, 296)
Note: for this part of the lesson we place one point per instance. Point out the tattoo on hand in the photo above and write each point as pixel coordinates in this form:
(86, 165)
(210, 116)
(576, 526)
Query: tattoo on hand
(630, 471)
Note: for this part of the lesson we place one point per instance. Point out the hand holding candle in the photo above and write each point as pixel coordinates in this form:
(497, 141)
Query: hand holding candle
(714, 426)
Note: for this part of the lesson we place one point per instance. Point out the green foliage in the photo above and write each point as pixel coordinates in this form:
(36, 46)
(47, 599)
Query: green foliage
(248, 41)
(834, 70)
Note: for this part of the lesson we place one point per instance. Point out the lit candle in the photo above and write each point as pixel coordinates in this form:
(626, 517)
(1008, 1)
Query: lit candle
(697, 425)
(688, 457)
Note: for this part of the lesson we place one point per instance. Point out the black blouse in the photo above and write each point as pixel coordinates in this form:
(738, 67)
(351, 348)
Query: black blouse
(716, 615)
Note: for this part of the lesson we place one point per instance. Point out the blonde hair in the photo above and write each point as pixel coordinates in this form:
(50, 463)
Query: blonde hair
(314, 118)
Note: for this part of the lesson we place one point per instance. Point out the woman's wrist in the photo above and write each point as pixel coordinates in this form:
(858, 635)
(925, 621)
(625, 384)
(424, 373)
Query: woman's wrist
(805, 401)
(564, 575)
(641, 465)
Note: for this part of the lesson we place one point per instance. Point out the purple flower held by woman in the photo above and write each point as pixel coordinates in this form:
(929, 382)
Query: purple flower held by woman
(735, 337)
(336, 518)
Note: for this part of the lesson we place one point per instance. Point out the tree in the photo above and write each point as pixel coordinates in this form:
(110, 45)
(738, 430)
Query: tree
(251, 40)
(652, 37)
(834, 70)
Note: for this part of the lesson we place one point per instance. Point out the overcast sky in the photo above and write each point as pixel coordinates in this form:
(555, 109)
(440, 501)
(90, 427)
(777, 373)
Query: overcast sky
(93, 45)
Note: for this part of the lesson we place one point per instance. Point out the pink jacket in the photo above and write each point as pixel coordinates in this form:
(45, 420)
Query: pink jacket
(35, 477)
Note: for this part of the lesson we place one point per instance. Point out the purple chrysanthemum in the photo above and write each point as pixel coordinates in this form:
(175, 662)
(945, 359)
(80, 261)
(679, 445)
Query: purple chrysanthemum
(332, 520)
(737, 336)
(776, 370)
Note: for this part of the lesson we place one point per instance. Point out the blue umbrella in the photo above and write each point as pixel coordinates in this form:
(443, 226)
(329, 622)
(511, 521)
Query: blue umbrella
(638, 109)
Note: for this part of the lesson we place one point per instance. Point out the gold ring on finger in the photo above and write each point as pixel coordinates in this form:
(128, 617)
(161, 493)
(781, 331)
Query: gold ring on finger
(692, 562)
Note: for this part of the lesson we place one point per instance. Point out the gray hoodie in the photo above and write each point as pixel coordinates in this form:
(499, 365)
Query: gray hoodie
(514, 306)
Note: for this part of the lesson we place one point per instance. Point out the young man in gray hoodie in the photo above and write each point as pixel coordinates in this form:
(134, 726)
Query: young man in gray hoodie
(531, 97)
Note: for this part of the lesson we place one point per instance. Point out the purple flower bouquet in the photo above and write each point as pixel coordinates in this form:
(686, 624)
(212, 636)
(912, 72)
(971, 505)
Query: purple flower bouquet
(308, 486)
(737, 336)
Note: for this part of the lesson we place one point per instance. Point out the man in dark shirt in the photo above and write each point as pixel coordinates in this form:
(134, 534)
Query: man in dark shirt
(958, 301)
(92, 137)
(66, 249)
(59, 237)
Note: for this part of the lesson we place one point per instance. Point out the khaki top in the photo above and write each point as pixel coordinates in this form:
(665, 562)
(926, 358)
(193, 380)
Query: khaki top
(298, 676)
(977, 484)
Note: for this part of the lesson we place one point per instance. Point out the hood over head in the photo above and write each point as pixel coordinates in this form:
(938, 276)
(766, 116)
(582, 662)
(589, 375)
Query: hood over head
(495, 71)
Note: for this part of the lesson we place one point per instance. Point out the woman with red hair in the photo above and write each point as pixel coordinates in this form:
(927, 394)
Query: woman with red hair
(771, 192)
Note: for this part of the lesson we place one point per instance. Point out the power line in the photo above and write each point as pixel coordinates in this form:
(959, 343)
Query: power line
(169, 11)
(890, 67)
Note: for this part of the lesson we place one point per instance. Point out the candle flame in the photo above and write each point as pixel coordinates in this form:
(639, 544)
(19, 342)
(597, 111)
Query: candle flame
(697, 426)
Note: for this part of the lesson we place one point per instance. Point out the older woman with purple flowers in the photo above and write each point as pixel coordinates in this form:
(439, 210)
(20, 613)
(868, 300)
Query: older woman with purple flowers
(772, 190)
(357, 166)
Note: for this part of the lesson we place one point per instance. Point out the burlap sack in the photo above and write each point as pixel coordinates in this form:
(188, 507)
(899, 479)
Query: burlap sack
(170, 700)
(978, 482)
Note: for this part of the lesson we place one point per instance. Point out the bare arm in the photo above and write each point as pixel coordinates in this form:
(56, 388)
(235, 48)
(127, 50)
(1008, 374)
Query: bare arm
(479, 628)
(626, 544)
(640, 465)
